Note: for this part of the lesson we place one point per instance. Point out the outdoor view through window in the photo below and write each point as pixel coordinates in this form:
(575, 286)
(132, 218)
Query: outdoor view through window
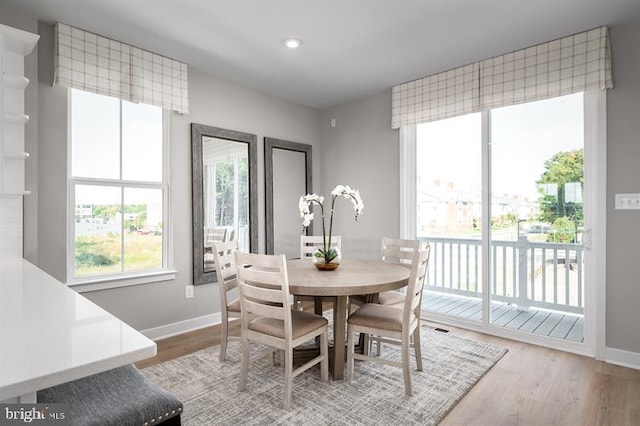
(116, 185)
(536, 178)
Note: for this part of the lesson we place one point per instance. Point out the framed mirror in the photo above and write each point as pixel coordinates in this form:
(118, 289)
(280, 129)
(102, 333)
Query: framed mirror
(288, 175)
(225, 194)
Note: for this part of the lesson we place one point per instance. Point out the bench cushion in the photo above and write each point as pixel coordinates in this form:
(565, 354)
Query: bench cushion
(122, 396)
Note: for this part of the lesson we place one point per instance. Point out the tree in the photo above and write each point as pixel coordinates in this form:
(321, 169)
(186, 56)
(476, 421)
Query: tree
(226, 191)
(561, 169)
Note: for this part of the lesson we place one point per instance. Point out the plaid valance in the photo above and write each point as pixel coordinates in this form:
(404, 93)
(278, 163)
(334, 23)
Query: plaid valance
(568, 65)
(100, 65)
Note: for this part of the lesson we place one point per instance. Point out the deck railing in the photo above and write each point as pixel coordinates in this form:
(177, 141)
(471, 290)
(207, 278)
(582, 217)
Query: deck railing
(529, 274)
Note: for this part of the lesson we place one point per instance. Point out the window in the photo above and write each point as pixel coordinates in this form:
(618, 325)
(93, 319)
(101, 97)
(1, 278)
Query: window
(506, 199)
(117, 188)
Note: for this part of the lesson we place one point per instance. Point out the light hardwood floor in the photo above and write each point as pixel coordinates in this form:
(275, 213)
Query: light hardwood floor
(530, 385)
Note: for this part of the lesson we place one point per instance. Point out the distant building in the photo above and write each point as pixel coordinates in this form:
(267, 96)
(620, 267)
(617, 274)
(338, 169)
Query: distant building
(84, 211)
(446, 210)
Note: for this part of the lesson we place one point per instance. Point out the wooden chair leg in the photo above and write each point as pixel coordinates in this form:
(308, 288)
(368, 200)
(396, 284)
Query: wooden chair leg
(350, 350)
(324, 351)
(379, 348)
(288, 377)
(405, 364)
(223, 339)
(417, 346)
(244, 365)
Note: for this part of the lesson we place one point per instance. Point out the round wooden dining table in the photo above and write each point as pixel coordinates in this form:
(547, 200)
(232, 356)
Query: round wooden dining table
(353, 277)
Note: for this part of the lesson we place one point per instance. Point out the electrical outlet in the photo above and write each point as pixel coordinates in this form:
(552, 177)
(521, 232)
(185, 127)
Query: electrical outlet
(627, 202)
(189, 293)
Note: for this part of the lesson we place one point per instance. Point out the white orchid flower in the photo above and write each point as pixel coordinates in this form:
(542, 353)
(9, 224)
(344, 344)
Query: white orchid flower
(338, 190)
(358, 205)
(307, 219)
(303, 206)
(314, 198)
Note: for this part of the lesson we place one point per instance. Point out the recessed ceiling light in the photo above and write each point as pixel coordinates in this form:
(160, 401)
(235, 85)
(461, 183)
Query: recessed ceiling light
(292, 43)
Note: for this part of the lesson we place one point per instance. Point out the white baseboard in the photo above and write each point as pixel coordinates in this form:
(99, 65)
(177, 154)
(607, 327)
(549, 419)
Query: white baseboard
(623, 358)
(164, 331)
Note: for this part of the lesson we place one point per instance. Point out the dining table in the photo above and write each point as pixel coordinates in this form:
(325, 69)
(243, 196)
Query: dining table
(352, 277)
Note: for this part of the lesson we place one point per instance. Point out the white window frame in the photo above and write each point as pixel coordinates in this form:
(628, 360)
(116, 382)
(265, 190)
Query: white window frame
(120, 279)
(595, 146)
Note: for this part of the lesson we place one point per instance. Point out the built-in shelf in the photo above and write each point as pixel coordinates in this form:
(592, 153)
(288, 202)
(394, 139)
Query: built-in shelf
(15, 81)
(14, 117)
(16, 155)
(15, 44)
(18, 41)
(14, 193)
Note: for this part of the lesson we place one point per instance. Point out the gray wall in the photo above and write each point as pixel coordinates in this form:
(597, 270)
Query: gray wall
(362, 151)
(213, 101)
(623, 176)
(52, 172)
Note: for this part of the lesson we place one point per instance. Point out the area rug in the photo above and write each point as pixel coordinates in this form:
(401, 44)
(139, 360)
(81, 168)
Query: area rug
(209, 388)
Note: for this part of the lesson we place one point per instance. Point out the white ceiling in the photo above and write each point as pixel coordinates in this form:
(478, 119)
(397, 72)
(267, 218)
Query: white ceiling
(351, 48)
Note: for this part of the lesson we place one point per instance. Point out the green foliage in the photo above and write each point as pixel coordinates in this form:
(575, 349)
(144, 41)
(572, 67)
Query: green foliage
(135, 208)
(106, 211)
(562, 168)
(563, 230)
(328, 255)
(225, 192)
(91, 252)
(101, 254)
(502, 221)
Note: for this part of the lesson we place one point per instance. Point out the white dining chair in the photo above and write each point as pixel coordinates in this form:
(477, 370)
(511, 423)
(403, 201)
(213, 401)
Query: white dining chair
(392, 325)
(394, 250)
(225, 265)
(308, 245)
(267, 318)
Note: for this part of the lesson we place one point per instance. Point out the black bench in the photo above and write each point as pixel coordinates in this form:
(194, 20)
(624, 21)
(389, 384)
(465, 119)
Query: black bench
(118, 397)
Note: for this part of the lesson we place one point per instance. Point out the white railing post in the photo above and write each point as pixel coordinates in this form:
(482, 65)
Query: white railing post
(522, 246)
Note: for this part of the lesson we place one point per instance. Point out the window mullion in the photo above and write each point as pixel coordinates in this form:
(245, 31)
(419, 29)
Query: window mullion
(486, 217)
(122, 222)
(114, 182)
(122, 208)
(408, 174)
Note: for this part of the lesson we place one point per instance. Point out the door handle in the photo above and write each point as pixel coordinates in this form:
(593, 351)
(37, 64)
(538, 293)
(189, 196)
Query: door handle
(587, 239)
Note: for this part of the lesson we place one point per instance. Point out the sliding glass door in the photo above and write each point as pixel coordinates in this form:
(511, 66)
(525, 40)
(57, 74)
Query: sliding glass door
(449, 213)
(537, 220)
(500, 197)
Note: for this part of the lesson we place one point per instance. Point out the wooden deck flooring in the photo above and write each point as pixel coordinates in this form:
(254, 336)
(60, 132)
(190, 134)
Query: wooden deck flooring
(563, 326)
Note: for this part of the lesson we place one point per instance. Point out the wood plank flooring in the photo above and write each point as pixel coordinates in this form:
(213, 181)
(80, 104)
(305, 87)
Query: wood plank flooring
(534, 386)
(529, 386)
(562, 326)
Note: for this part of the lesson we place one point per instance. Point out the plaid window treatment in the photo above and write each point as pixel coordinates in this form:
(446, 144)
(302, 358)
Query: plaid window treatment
(560, 67)
(97, 64)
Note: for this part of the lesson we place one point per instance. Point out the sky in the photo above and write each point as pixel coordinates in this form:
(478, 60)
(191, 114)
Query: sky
(523, 137)
(96, 124)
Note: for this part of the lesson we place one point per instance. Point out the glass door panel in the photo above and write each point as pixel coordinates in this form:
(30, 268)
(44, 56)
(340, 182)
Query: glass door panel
(537, 184)
(449, 213)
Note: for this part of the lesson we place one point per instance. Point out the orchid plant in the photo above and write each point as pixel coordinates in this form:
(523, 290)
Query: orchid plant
(327, 252)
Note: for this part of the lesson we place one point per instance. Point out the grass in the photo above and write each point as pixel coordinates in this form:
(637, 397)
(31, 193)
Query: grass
(98, 255)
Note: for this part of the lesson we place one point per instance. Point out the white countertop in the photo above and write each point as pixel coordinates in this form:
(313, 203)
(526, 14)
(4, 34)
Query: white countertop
(49, 334)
